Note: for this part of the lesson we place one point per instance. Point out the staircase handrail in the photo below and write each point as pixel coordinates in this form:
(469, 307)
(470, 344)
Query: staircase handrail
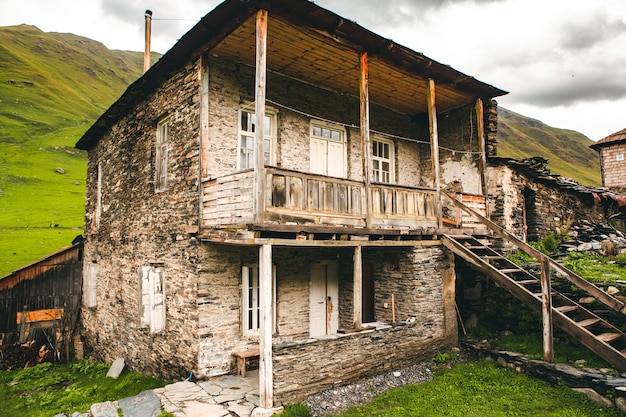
(574, 278)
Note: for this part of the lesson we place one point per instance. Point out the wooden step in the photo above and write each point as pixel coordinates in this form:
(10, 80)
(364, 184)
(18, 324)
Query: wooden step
(471, 247)
(587, 322)
(490, 257)
(609, 337)
(528, 282)
(510, 270)
(566, 309)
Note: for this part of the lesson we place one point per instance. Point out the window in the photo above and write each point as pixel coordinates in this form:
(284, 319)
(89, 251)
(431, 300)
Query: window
(90, 275)
(163, 132)
(328, 149)
(251, 302)
(247, 127)
(382, 161)
(619, 157)
(152, 298)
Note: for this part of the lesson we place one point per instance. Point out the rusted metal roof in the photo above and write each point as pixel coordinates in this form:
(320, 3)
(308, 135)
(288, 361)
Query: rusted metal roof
(612, 139)
(70, 254)
(311, 44)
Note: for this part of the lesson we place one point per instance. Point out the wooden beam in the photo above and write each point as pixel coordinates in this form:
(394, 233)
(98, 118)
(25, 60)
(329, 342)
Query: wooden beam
(546, 310)
(266, 381)
(434, 146)
(259, 109)
(357, 287)
(204, 116)
(366, 147)
(480, 127)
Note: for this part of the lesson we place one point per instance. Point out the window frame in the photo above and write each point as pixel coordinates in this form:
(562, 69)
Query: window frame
(315, 123)
(391, 160)
(152, 311)
(270, 113)
(253, 270)
(619, 157)
(162, 155)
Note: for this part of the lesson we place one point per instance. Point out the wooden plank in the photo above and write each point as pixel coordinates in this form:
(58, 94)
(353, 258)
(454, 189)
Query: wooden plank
(259, 109)
(434, 146)
(357, 287)
(279, 190)
(39, 315)
(546, 311)
(366, 146)
(266, 380)
(295, 193)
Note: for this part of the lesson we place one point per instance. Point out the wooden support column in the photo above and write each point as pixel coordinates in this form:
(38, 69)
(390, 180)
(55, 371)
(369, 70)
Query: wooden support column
(546, 310)
(357, 296)
(480, 127)
(434, 146)
(266, 380)
(366, 147)
(204, 130)
(259, 110)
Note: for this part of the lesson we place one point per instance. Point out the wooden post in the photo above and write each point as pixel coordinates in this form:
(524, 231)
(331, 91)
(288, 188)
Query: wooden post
(434, 146)
(146, 53)
(546, 310)
(266, 382)
(204, 130)
(480, 127)
(357, 287)
(259, 110)
(393, 308)
(366, 147)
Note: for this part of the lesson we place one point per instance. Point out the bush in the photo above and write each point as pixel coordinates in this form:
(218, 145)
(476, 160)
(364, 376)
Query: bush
(621, 260)
(550, 243)
(296, 410)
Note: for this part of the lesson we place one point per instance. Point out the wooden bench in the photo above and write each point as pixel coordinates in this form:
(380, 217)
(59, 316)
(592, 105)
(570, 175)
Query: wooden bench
(241, 359)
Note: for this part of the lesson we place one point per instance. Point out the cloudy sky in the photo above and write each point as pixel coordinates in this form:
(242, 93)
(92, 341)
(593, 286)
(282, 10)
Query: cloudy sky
(563, 61)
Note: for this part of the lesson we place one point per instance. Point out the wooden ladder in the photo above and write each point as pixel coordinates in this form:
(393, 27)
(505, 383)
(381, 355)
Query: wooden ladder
(592, 331)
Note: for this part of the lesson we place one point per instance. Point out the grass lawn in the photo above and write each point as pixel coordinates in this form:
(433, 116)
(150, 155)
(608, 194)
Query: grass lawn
(48, 389)
(480, 389)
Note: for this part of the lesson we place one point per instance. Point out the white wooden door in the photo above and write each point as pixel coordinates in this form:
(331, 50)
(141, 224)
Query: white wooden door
(319, 152)
(336, 159)
(323, 299)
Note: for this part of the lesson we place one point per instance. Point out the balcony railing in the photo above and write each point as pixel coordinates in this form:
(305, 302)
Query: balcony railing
(293, 197)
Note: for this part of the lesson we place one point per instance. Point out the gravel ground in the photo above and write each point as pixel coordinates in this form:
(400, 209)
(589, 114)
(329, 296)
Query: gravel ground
(339, 399)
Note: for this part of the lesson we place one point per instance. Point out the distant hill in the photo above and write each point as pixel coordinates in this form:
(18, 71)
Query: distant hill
(53, 86)
(568, 151)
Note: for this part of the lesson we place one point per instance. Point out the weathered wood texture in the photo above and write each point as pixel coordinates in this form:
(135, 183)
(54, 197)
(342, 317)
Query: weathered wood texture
(42, 295)
(314, 199)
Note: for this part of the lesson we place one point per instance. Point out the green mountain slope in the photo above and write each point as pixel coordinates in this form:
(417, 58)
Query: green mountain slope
(53, 86)
(568, 151)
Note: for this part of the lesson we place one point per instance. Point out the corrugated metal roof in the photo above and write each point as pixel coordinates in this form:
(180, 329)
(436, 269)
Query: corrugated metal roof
(314, 45)
(610, 140)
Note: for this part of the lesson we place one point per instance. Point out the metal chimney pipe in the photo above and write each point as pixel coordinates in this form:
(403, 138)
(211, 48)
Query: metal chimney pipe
(146, 54)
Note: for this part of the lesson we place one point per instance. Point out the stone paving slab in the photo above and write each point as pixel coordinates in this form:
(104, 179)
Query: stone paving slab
(105, 409)
(145, 404)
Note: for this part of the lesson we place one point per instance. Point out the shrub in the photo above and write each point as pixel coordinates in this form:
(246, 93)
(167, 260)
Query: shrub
(621, 259)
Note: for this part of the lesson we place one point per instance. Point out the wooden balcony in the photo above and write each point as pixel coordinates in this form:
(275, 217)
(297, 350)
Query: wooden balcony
(293, 197)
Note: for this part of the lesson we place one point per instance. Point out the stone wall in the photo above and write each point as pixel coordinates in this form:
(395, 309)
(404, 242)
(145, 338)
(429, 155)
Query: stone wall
(231, 87)
(614, 171)
(547, 208)
(139, 227)
(309, 366)
(424, 286)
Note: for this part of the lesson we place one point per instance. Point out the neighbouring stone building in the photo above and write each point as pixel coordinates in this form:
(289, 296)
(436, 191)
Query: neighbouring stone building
(612, 153)
(274, 182)
(529, 201)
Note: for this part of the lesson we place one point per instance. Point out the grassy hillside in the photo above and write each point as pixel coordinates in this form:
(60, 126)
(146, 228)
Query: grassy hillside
(567, 150)
(52, 88)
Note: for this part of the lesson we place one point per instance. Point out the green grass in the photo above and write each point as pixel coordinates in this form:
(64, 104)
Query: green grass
(480, 389)
(48, 389)
(53, 86)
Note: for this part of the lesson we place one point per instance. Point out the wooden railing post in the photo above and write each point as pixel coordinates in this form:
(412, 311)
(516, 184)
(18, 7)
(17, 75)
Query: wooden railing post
(546, 310)
(434, 146)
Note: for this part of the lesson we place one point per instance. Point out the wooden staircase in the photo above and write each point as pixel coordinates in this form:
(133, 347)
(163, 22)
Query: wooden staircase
(593, 331)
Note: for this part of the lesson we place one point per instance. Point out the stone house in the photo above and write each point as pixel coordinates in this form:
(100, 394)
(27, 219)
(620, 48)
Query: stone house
(612, 153)
(275, 182)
